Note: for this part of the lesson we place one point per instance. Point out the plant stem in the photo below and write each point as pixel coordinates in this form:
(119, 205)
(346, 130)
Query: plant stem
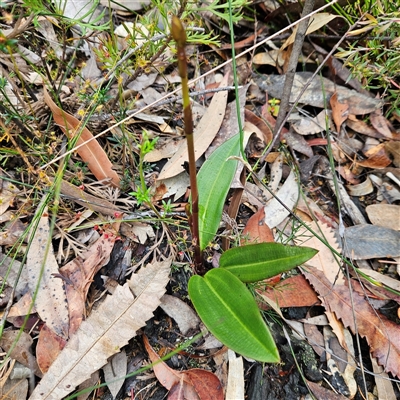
(179, 35)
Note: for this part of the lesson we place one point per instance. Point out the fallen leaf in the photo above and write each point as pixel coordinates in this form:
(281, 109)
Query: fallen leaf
(182, 313)
(340, 111)
(78, 275)
(256, 230)
(19, 345)
(235, 385)
(317, 93)
(363, 242)
(362, 127)
(381, 124)
(393, 149)
(42, 270)
(311, 126)
(115, 371)
(356, 313)
(204, 134)
(317, 21)
(91, 153)
(386, 215)
(322, 393)
(260, 124)
(48, 348)
(105, 332)
(361, 189)
(288, 194)
(191, 384)
(294, 291)
(377, 158)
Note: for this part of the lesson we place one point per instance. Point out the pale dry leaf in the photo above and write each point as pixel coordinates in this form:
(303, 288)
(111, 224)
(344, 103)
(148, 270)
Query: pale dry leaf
(235, 387)
(318, 91)
(42, 270)
(204, 134)
(317, 21)
(182, 313)
(105, 332)
(325, 259)
(386, 215)
(91, 153)
(384, 385)
(288, 194)
(115, 371)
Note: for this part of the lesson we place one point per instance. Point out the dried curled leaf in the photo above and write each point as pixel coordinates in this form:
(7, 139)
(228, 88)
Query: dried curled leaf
(106, 330)
(92, 153)
(356, 313)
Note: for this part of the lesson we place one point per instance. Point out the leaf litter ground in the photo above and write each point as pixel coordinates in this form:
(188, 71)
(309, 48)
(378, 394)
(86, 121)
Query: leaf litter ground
(108, 293)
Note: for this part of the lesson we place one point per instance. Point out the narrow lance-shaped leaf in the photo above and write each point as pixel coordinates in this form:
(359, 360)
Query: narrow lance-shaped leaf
(230, 313)
(255, 262)
(214, 181)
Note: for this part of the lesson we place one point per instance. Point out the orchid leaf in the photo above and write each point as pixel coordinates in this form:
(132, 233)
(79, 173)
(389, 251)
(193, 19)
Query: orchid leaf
(230, 313)
(214, 180)
(255, 262)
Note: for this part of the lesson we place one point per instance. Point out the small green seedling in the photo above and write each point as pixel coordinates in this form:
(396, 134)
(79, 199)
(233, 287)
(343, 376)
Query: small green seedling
(220, 296)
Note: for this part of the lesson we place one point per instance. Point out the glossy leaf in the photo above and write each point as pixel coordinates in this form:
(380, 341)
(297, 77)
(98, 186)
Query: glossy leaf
(230, 313)
(255, 262)
(214, 180)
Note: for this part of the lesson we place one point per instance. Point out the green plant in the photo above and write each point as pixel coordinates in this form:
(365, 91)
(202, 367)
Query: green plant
(142, 193)
(220, 296)
(375, 59)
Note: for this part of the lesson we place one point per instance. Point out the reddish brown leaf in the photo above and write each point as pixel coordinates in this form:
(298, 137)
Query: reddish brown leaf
(383, 336)
(340, 111)
(91, 153)
(260, 124)
(377, 158)
(256, 230)
(48, 348)
(78, 275)
(191, 384)
(206, 384)
(292, 292)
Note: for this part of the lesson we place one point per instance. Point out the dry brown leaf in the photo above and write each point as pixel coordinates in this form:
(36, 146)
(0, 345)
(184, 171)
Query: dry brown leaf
(383, 336)
(19, 345)
(91, 153)
(325, 262)
(294, 291)
(256, 230)
(377, 158)
(48, 348)
(42, 270)
(105, 331)
(204, 134)
(191, 384)
(79, 273)
(87, 200)
(393, 148)
(381, 124)
(260, 124)
(340, 111)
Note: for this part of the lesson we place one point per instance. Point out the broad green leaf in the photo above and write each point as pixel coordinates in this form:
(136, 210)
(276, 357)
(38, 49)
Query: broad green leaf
(230, 313)
(255, 262)
(214, 180)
